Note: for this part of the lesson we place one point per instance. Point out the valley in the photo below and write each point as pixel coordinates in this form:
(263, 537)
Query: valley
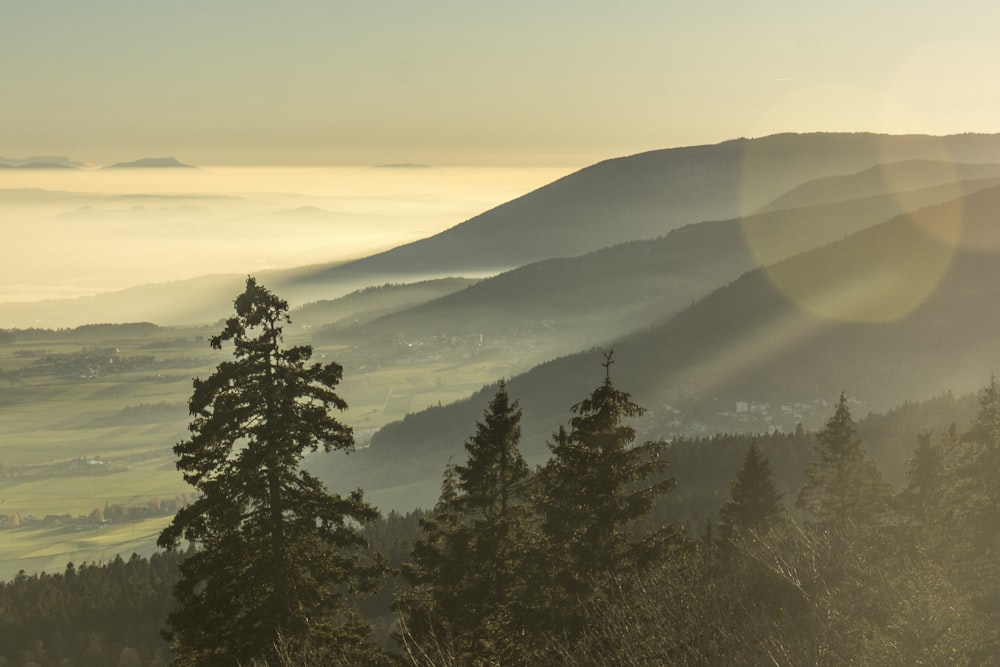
(701, 296)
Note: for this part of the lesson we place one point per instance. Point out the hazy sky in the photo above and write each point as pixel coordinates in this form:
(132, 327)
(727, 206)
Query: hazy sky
(470, 82)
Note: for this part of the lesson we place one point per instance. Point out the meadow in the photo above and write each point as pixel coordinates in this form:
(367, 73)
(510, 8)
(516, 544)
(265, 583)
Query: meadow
(88, 417)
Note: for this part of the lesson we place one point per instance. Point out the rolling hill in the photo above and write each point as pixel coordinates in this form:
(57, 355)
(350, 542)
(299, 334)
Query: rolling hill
(151, 163)
(890, 313)
(563, 305)
(642, 196)
(885, 177)
(647, 195)
(702, 337)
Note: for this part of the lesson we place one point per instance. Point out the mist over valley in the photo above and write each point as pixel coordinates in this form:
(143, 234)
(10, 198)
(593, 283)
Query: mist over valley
(742, 287)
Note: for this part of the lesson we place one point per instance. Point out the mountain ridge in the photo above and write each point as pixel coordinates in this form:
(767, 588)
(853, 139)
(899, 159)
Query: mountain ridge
(644, 196)
(751, 341)
(151, 163)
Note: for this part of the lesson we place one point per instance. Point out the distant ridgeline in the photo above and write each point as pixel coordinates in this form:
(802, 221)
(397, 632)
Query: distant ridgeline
(151, 163)
(62, 162)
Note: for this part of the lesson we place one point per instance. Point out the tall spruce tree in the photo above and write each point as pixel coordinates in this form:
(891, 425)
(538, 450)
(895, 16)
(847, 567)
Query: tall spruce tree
(493, 485)
(926, 475)
(979, 472)
(754, 504)
(427, 609)
(932, 509)
(275, 552)
(597, 484)
(975, 512)
(469, 563)
(844, 486)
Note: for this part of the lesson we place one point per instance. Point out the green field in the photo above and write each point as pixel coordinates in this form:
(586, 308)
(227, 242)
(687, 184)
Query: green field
(88, 418)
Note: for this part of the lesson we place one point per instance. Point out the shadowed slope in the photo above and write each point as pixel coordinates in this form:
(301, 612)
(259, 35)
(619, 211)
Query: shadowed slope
(749, 341)
(649, 194)
(569, 304)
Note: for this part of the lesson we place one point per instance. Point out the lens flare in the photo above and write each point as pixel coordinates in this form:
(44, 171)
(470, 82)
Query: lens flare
(878, 274)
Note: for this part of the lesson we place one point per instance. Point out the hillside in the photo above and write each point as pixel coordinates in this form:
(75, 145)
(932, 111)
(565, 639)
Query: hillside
(647, 195)
(563, 305)
(373, 302)
(151, 163)
(642, 196)
(53, 161)
(904, 336)
(743, 357)
(894, 177)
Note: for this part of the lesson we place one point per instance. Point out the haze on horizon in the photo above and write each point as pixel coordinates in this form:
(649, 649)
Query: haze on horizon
(455, 83)
(550, 86)
(82, 232)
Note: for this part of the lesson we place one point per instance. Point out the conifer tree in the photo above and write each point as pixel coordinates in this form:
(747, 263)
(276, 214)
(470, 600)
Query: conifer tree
(985, 430)
(594, 488)
(979, 472)
(974, 530)
(925, 481)
(428, 607)
(470, 560)
(754, 504)
(931, 506)
(844, 486)
(275, 551)
(493, 484)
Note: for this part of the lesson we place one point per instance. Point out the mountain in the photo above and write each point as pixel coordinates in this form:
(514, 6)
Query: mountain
(563, 305)
(639, 197)
(208, 299)
(41, 162)
(884, 314)
(151, 163)
(896, 177)
(647, 195)
(402, 165)
(375, 301)
(45, 165)
(196, 300)
(38, 165)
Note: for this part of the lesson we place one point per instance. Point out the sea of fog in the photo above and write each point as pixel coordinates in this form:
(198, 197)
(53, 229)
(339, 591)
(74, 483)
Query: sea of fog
(71, 233)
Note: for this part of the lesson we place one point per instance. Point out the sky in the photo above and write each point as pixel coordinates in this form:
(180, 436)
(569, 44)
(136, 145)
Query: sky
(465, 82)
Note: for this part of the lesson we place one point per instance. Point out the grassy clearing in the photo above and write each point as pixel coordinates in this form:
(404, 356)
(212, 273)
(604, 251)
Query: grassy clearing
(120, 396)
(34, 549)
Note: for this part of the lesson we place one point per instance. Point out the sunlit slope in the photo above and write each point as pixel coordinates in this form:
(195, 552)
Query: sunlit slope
(375, 301)
(649, 194)
(637, 197)
(197, 300)
(926, 324)
(885, 177)
(563, 305)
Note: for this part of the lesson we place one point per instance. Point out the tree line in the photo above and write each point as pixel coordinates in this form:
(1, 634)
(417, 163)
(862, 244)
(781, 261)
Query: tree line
(564, 563)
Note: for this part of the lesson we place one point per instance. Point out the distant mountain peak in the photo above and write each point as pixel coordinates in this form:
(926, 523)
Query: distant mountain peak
(402, 165)
(40, 162)
(152, 163)
(45, 165)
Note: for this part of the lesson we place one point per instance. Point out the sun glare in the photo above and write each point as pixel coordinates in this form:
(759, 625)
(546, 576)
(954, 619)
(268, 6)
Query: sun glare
(887, 272)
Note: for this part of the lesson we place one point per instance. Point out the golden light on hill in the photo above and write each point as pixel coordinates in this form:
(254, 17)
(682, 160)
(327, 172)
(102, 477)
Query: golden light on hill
(879, 275)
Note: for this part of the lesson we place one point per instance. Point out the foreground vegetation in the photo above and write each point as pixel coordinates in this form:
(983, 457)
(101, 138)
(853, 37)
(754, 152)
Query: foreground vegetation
(842, 571)
(88, 417)
(582, 560)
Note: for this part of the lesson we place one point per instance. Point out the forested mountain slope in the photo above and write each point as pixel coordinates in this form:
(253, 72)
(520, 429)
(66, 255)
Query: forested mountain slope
(903, 310)
(647, 195)
(885, 177)
(567, 304)
(641, 196)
